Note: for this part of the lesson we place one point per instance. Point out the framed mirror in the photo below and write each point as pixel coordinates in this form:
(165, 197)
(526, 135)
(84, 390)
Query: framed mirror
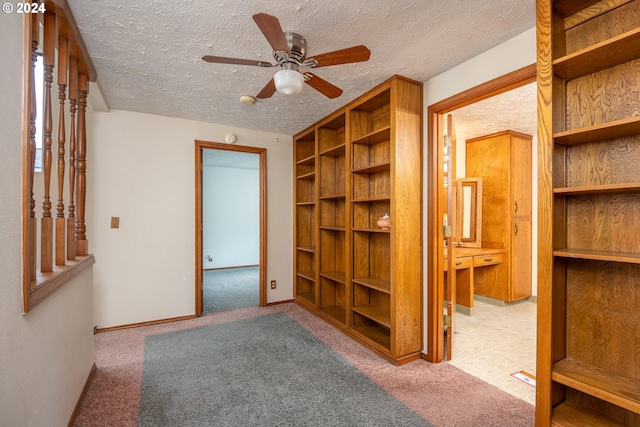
(469, 212)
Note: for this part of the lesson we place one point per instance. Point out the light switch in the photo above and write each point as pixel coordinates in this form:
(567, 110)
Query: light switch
(115, 222)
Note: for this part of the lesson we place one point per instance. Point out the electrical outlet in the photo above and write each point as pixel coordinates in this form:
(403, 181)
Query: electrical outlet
(115, 222)
(273, 284)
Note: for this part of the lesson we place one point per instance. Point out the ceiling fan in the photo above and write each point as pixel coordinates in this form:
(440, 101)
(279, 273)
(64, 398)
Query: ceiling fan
(290, 53)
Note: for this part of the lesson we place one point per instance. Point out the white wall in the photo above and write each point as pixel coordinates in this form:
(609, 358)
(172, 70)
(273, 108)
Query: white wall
(47, 354)
(512, 55)
(144, 173)
(231, 216)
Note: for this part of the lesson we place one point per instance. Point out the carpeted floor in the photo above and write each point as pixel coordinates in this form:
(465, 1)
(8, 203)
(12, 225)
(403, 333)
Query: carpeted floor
(231, 289)
(440, 393)
(212, 376)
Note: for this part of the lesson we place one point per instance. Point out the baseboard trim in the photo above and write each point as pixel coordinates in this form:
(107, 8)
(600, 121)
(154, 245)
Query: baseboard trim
(83, 393)
(152, 322)
(229, 268)
(287, 301)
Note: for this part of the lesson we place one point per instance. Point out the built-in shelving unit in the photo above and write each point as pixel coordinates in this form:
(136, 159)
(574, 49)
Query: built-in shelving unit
(588, 370)
(363, 171)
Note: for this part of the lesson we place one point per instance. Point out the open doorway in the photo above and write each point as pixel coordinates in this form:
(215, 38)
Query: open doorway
(483, 323)
(231, 230)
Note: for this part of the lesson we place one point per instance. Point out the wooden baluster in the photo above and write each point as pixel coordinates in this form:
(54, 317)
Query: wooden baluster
(63, 56)
(32, 229)
(46, 242)
(81, 167)
(71, 217)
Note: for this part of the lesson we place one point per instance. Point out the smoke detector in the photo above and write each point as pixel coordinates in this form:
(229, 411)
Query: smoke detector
(247, 100)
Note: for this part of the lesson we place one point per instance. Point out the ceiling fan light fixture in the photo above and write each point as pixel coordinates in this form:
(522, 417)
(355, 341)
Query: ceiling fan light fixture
(288, 82)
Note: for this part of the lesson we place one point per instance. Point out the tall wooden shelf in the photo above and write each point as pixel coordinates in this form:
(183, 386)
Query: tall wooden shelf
(588, 365)
(369, 281)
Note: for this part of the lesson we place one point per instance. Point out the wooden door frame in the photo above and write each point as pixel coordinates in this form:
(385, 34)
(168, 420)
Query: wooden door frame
(199, 147)
(435, 277)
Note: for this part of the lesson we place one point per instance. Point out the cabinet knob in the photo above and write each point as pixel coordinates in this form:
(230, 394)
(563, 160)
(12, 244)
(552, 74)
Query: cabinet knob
(516, 207)
(516, 228)
(488, 259)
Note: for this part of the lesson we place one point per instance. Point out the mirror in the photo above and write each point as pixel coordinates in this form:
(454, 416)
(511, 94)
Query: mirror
(469, 212)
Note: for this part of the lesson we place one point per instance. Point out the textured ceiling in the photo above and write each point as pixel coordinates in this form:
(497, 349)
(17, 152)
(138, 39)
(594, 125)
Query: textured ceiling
(147, 53)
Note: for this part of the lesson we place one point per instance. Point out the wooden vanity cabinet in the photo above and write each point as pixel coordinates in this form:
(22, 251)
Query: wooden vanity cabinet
(588, 348)
(367, 162)
(503, 161)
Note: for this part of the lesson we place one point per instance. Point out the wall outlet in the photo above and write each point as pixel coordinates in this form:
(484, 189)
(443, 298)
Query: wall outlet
(115, 222)
(273, 284)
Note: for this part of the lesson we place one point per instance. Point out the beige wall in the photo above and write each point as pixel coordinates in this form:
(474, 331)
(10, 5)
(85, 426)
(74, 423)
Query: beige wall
(144, 173)
(46, 355)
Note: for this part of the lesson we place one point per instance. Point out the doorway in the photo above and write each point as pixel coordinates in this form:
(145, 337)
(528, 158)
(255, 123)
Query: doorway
(230, 242)
(436, 340)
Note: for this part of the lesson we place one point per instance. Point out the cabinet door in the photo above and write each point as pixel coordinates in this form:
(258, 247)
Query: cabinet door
(521, 177)
(520, 259)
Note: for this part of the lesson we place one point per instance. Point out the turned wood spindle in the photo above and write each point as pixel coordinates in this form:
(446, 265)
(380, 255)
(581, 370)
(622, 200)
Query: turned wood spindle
(62, 88)
(32, 228)
(71, 217)
(81, 167)
(46, 242)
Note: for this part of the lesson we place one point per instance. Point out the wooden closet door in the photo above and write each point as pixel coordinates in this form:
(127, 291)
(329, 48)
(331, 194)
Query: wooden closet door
(521, 176)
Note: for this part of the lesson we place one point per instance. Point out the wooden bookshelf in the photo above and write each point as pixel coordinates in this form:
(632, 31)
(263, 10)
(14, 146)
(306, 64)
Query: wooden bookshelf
(589, 195)
(359, 172)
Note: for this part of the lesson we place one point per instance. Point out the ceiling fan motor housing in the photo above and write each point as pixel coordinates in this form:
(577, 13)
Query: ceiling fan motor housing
(298, 51)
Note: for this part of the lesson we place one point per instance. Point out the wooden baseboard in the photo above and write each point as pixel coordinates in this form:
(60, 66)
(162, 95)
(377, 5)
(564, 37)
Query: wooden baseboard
(287, 301)
(85, 389)
(152, 322)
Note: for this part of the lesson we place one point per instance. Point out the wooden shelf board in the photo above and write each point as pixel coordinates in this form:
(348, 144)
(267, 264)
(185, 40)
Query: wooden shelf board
(569, 415)
(336, 151)
(372, 200)
(568, 7)
(309, 296)
(382, 167)
(309, 176)
(628, 257)
(373, 283)
(305, 203)
(589, 379)
(376, 137)
(336, 276)
(309, 275)
(371, 230)
(311, 160)
(333, 197)
(606, 54)
(598, 189)
(332, 228)
(601, 132)
(376, 313)
(311, 249)
(337, 312)
(376, 334)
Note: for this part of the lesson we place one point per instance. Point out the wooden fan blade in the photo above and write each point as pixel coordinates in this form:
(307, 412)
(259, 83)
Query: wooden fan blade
(322, 86)
(343, 56)
(270, 27)
(268, 90)
(235, 61)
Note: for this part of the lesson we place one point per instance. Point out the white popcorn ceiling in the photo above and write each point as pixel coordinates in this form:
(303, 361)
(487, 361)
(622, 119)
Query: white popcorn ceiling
(147, 52)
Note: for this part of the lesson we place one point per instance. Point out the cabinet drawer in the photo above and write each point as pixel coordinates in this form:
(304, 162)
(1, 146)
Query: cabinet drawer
(490, 259)
(463, 262)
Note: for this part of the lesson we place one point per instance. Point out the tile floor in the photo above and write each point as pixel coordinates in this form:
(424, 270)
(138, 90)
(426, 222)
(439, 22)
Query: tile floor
(495, 342)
